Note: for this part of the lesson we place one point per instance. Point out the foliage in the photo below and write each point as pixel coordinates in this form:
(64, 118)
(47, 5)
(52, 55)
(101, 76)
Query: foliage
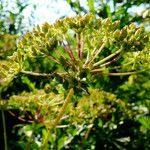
(114, 9)
(11, 18)
(75, 85)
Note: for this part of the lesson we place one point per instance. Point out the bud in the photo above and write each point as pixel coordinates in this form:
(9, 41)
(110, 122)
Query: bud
(138, 32)
(132, 26)
(115, 25)
(116, 34)
(48, 35)
(131, 40)
(47, 88)
(106, 22)
(146, 13)
(45, 27)
(99, 21)
(28, 35)
(145, 39)
(24, 41)
(123, 33)
(38, 28)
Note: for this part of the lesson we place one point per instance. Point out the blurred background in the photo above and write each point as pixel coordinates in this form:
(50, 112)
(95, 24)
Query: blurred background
(17, 16)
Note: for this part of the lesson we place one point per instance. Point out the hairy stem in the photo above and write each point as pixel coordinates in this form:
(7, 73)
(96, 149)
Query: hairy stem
(56, 121)
(4, 128)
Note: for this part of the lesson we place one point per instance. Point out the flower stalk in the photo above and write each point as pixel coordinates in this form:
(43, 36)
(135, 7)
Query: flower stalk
(58, 118)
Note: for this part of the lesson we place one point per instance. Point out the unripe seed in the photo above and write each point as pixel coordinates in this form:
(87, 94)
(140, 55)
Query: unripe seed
(145, 39)
(116, 34)
(138, 32)
(123, 33)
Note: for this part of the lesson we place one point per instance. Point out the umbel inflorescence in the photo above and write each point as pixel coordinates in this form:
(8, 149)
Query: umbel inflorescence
(80, 47)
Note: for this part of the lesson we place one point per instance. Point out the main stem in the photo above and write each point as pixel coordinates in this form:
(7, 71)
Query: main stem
(60, 114)
(4, 128)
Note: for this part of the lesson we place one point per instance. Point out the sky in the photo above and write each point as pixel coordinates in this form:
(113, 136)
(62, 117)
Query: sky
(48, 10)
(51, 10)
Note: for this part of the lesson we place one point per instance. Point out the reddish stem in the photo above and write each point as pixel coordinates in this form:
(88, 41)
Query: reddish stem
(115, 73)
(69, 51)
(20, 118)
(79, 46)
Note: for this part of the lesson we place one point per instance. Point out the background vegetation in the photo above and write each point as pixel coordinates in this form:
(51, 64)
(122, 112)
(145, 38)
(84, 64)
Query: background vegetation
(43, 108)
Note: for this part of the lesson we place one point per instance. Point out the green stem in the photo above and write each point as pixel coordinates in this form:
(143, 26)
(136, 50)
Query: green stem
(54, 59)
(4, 128)
(95, 54)
(123, 65)
(97, 70)
(107, 58)
(56, 121)
(28, 147)
(42, 74)
(119, 73)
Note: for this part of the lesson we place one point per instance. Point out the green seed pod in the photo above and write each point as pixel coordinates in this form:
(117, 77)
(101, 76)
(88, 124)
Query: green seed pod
(99, 21)
(123, 33)
(106, 22)
(139, 46)
(48, 35)
(34, 51)
(28, 35)
(132, 26)
(116, 34)
(138, 32)
(132, 39)
(137, 43)
(115, 25)
(24, 41)
(45, 27)
(145, 39)
(47, 88)
(38, 28)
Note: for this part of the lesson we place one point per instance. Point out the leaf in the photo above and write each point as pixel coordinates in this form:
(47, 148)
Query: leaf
(91, 6)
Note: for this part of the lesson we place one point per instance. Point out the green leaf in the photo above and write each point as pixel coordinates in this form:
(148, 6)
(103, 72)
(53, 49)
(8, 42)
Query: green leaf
(91, 6)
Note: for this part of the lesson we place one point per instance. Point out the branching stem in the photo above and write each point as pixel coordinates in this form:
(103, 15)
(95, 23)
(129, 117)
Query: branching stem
(28, 147)
(42, 74)
(54, 59)
(58, 118)
(118, 73)
(95, 54)
(107, 58)
(69, 51)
